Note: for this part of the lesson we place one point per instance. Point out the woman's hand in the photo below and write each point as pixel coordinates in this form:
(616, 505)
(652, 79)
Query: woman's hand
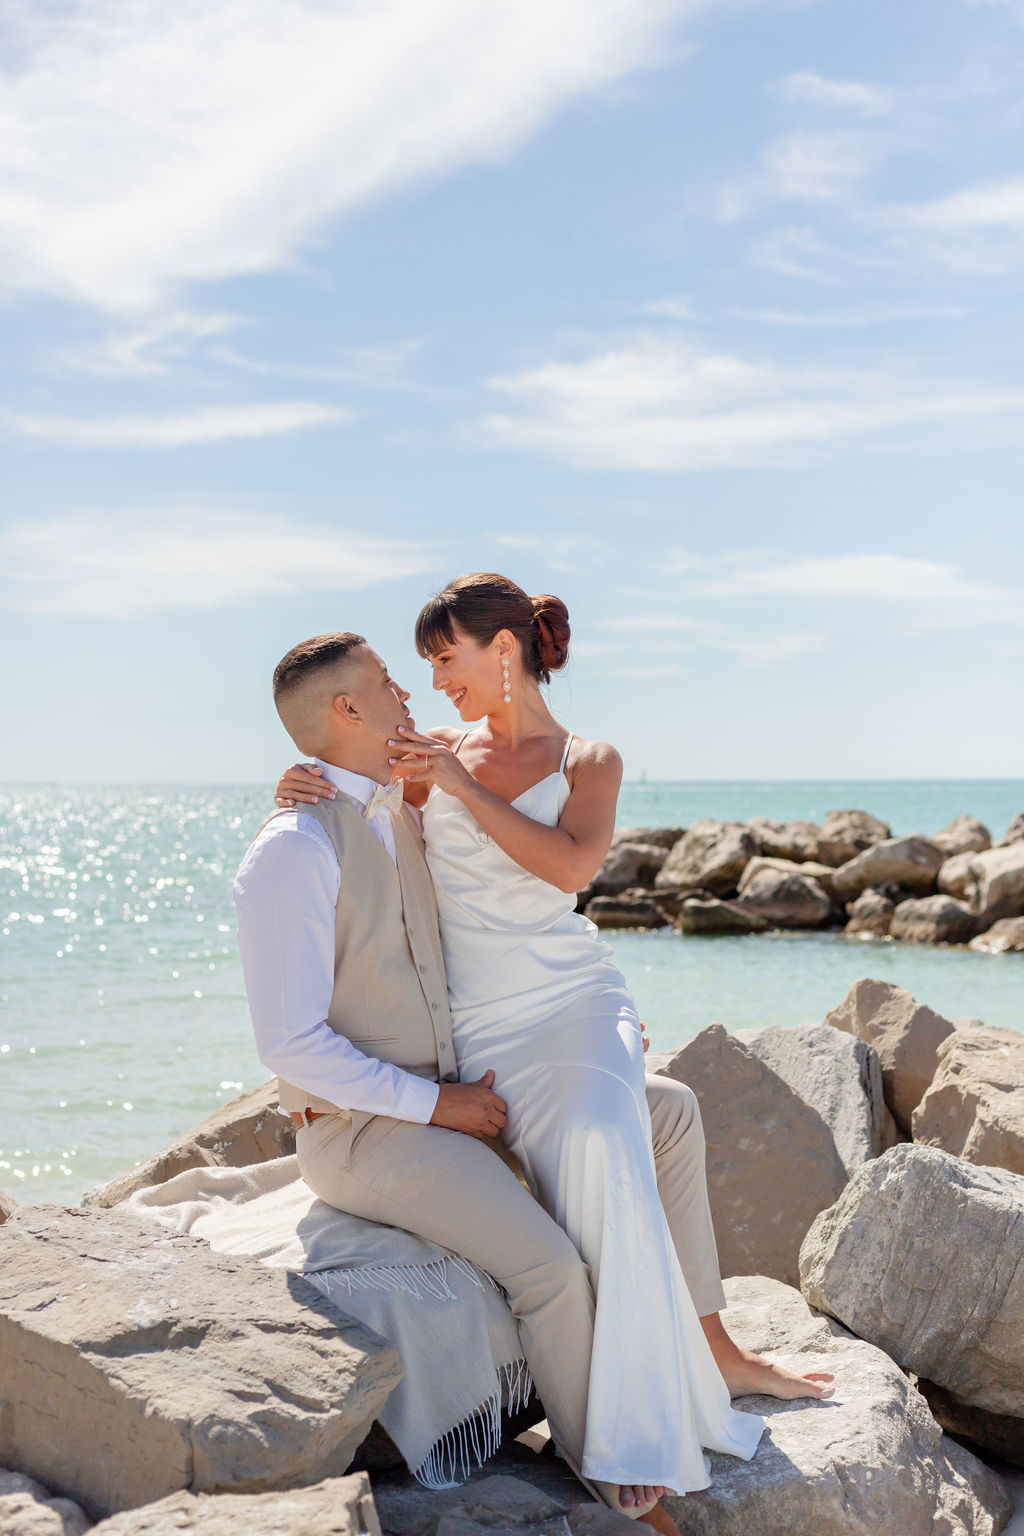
(425, 759)
(303, 784)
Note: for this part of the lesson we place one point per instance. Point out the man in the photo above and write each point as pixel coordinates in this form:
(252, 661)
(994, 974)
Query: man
(342, 959)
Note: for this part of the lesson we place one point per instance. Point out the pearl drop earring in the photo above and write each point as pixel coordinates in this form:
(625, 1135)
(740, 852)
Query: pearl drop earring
(505, 682)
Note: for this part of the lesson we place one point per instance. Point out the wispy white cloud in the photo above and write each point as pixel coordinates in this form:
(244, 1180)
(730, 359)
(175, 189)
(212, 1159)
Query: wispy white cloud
(149, 145)
(997, 205)
(668, 309)
(795, 250)
(808, 88)
(853, 319)
(101, 566)
(754, 650)
(213, 424)
(146, 350)
(657, 404)
(385, 366)
(920, 590)
(801, 167)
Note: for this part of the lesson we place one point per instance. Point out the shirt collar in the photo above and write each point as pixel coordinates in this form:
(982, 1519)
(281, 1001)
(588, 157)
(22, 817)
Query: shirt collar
(356, 785)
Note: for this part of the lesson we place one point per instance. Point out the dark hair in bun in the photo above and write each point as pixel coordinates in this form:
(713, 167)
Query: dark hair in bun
(483, 603)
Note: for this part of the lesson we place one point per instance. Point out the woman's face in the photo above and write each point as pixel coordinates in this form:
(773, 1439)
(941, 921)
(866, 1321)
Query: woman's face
(470, 674)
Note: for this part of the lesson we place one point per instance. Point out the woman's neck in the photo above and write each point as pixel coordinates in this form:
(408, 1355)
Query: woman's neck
(525, 718)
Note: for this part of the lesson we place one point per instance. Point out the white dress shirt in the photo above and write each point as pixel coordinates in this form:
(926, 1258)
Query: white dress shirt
(286, 896)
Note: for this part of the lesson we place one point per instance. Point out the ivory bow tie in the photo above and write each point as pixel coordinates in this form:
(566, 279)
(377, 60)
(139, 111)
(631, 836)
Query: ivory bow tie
(386, 797)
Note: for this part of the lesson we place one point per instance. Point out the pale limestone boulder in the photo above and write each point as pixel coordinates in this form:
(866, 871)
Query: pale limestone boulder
(29, 1509)
(785, 900)
(794, 841)
(8, 1206)
(629, 909)
(628, 865)
(167, 1366)
(246, 1130)
(998, 1433)
(871, 1461)
(661, 837)
(844, 834)
(709, 915)
(911, 863)
(712, 855)
(996, 883)
(1014, 832)
(870, 916)
(338, 1506)
(954, 877)
(772, 1162)
(923, 1255)
(822, 874)
(1004, 937)
(933, 920)
(965, 834)
(905, 1033)
(836, 1075)
(975, 1105)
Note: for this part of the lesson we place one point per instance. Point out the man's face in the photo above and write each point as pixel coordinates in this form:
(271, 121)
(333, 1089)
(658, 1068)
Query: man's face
(379, 699)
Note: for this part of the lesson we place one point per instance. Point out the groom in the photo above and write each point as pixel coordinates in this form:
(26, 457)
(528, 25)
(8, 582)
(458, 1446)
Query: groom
(338, 933)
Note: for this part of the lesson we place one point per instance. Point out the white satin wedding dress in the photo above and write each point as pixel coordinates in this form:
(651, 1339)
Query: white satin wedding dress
(536, 997)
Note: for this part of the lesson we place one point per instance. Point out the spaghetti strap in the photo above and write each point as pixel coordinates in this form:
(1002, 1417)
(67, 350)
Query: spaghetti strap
(568, 743)
(458, 744)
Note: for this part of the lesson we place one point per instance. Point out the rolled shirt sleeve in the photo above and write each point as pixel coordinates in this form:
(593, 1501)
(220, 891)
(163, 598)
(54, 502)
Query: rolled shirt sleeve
(286, 894)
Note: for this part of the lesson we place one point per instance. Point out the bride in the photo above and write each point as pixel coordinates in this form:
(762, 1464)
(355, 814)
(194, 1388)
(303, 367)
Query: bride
(517, 816)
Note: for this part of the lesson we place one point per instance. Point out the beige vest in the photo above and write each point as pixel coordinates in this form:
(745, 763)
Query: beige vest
(390, 995)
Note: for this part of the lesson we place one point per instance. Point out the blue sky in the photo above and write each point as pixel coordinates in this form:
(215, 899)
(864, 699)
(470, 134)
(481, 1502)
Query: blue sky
(707, 318)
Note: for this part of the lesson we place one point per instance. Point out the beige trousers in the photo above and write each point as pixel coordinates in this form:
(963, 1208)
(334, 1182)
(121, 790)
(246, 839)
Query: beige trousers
(453, 1190)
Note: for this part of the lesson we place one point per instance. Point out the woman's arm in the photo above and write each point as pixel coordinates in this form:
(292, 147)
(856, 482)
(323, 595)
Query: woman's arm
(567, 856)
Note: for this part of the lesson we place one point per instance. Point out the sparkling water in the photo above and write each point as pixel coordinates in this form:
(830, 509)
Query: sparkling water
(122, 1013)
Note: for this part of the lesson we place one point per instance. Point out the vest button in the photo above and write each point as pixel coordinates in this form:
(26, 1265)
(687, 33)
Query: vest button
(423, 970)
(435, 1006)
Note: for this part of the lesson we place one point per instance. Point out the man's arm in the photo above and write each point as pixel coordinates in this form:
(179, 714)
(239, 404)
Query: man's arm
(286, 893)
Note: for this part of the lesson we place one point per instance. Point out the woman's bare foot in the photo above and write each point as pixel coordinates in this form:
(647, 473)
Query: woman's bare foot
(745, 1372)
(632, 1495)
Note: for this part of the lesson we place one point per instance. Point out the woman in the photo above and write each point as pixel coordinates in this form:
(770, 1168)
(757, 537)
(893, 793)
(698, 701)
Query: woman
(517, 816)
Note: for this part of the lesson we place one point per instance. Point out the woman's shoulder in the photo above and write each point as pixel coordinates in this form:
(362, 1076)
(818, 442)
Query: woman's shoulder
(596, 757)
(449, 734)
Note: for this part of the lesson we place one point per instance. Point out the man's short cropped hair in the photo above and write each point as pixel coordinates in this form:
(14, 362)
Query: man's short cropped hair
(310, 657)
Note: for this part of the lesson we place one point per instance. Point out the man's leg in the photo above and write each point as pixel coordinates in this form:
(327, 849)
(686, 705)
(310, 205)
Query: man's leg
(452, 1189)
(680, 1161)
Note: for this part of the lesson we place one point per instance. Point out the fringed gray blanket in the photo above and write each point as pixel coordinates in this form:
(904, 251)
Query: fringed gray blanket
(451, 1325)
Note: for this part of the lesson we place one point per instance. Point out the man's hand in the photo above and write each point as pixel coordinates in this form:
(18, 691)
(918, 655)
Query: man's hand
(471, 1108)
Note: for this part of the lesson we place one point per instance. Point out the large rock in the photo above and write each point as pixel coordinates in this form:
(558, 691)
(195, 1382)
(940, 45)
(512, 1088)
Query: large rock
(137, 1364)
(965, 834)
(630, 909)
(844, 834)
(8, 1206)
(709, 915)
(997, 1433)
(933, 920)
(248, 1129)
(628, 865)
(784, 900)
(338, 1506)
(772, 1161)
(954, 877)
(923, 1255)
(909, 863)
(836, 1075)
(975, 1105)
(871, 1461)
(796, 841)
(821, 873)
(29, 1509)
(661, 837)
(905, 1033)
(870, 916)
(996, 883)
(711, 855)
(1002, 938)
(1014, 832)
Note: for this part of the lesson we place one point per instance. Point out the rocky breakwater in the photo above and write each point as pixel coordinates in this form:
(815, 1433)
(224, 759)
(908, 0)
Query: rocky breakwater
(161, 1386)
(730, 877)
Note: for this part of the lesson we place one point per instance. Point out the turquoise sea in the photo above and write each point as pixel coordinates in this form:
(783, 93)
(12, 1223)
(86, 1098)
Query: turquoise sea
(122, 1013)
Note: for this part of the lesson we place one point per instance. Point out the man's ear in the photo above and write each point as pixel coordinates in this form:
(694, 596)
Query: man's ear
(344, 704)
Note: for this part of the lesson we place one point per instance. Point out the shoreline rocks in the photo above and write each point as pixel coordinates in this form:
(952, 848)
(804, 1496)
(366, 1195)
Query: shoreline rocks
(905, 1033)
(848, 873)
(974, 1106)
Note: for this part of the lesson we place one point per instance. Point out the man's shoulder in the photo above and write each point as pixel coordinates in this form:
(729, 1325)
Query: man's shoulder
(290, 838)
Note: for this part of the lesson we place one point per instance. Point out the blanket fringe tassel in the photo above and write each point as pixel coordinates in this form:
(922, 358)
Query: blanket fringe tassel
(466, 1447)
